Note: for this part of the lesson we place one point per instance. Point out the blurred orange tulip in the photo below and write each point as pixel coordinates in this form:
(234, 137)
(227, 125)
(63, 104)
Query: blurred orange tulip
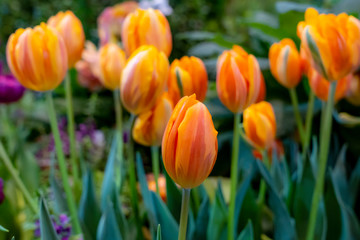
(146, 27)
(320, 86)
(149, 126)
(161, 182)
(144, 79)
(112, 61)
(285, 63)
(71, 30)
(238, 79)
(193, 77)
(331, 42)
(260, 125)
(37, 57)
(189, 145)
(354, 90)
(111, 19)
(262, 90)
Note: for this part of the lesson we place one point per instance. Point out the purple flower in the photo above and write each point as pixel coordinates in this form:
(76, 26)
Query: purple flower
(2, 196)
(62, 227)
(10, 89)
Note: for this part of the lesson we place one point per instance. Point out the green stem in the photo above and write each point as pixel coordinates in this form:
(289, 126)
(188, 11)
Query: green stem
(155, 166)
(71, 128)
(119, 127)
(308, 123)
(14, 174)
(294, 101)
(62, 165)
(234, 173)
(323, 156)
(184, 213)
(132, 179)
(262, 191)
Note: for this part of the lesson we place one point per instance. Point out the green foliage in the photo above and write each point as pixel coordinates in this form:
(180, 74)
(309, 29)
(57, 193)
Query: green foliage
(46, 226)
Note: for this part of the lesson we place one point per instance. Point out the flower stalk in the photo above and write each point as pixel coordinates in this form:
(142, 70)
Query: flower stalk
(294, 101)
(308, 123)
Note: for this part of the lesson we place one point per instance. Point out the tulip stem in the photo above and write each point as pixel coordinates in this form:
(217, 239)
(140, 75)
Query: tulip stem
(132, 179)
(294, 101)
(234, 173)
(262, 191)
(155, 166)
(119, 126)
(308, 123)
(62, 165)
(71, 128)
(323, 156)
(19, 183)
(184, 213)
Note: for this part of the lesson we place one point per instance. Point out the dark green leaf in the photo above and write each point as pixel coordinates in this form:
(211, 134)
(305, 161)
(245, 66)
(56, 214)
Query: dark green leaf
(3, 229)
(59, 197)
(354, 183)
(173, 196)
(247, 233)
(108, 227)
(202, 220)
(158, 233)
(217, 228)
(121, 220)
(46, 226)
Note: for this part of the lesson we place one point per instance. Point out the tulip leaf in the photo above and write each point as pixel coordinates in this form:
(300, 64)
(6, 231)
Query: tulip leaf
(46, 226)
(120, 217)
(89, 211)
(354, 183)
(3, 229)
(108, 227)
(202, 220)
(247, 233)
(173, 196)
(281, 215)
(280, 174)
(217, 228)
(158, 233)
(59, 197)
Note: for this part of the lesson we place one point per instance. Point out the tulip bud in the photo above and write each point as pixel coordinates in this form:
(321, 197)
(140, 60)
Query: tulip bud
(193, 77)
(112, 61)
(146, 27)
(320, 86)
(285, 63)
(111, 19)
(37, 57)
(354, 90)
(259, 125)
(143, 79)
(262, 90)
(149, 126)
(332, 43)
(189, 145)
(71, 30)
(238, 79)
(10, 89)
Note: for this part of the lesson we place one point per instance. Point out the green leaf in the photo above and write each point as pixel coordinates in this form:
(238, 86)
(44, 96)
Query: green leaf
(89, 211)
(46, 226)
(108, 227)
(120, 217)
(158, 233)
(59, 196)
(3, 229)
(247, 233)
(173, 196)
(202, 220)
(217, 228)
(354, 183)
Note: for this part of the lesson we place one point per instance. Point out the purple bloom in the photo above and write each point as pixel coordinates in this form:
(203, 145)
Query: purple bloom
(62, 227)
(10, 89)
(2, 196)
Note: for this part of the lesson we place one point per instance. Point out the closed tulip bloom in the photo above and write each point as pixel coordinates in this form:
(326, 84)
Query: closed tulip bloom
(320, 86)
(112, 61)
(189, 145)
(149, 126)
(10, 89)
(71, 30)
(193, 78)
(146, 27)
(354, 90)
(262, 91)
(285, 63)
(238, 79)
(260, 125)
(144, 79)
(331, 42)
(37, 57)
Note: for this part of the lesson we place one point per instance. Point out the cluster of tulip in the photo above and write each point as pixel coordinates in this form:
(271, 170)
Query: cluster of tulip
(166, 100)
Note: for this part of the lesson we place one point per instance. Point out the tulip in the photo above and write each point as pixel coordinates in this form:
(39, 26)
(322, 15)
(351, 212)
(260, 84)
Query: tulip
(149, 126)
(238, 79)
(146, 27)
(152, 185)
(331, 42)
(111, 19)
(262, 90)
(143, 79)
(10, 89)
(112, 61)
(285, 63)
(193, 78)
(37, 57)
(71, 30)
(354, 90)
(320, 86)
(259, 125)
(189, 145)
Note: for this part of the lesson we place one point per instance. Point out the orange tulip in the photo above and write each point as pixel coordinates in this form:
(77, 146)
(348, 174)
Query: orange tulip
(189, 145)
(143, 79)
(354, 90)
(37, 57)
(152, 185)
(71, 30)
(331, 42)
(285, 63)
(112, 61)
(262, 90)
(146, 27)
(193, 77)
(260, 125)
(238, 79)
(111, 19)
(320, 86)
(149, 126)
